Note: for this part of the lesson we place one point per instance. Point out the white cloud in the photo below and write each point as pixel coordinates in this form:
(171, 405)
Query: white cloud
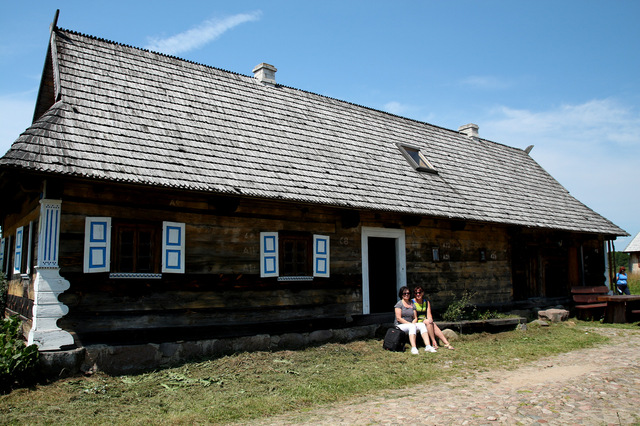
(197, 37)
(597, 122)
(591, 148)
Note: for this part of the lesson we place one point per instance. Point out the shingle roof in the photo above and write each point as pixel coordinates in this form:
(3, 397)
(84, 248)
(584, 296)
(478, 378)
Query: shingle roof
(634, 245)
(130, 115)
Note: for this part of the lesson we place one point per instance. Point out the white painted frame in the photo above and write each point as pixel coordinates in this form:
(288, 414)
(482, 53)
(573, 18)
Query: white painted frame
(401, 259)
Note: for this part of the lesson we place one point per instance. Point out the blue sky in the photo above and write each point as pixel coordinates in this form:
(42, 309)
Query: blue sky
(560, 75)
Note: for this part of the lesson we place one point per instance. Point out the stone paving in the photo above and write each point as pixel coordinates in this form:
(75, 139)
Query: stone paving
(596, 386)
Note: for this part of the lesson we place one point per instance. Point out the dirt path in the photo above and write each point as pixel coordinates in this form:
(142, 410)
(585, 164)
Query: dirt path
(587, 387)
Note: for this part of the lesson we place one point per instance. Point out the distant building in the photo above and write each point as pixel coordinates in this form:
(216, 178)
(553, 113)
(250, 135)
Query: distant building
(634, 251)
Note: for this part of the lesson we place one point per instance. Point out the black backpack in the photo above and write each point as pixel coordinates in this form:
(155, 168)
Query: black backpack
(394, 340)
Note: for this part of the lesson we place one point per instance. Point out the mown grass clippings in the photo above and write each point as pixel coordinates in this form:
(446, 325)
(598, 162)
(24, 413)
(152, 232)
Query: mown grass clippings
(245, 386)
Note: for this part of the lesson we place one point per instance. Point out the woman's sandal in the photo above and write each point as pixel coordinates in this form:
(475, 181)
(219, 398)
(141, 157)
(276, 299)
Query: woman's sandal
(449, 347)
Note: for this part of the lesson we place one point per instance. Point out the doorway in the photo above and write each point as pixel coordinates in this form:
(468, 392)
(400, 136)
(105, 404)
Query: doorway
(383, 268)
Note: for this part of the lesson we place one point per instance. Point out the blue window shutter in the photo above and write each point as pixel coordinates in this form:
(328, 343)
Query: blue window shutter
(17, 259)
(268, 254)
(29, 246)
(7, 249)
(2, 254)
(97, 244)
(320, 256)
(173, 244)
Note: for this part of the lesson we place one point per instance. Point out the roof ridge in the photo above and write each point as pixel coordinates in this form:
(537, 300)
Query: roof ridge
(145, 50)
(278, 84)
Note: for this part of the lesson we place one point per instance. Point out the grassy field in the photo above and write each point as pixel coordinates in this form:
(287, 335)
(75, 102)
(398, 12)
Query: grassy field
(634, 284)
(246, 386)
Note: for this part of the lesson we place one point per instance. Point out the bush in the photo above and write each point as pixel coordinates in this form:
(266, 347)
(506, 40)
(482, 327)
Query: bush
(456, 311)
(17, 361)
(463, 309)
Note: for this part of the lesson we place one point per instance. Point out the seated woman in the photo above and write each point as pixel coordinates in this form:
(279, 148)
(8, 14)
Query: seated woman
(426, 326)
(406, 317)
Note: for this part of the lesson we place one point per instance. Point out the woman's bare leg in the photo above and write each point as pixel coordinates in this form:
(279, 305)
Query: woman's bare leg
(440, 335)
(430, 330)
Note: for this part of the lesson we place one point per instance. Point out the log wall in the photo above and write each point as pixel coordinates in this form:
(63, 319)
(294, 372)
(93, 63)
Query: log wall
(222, 287)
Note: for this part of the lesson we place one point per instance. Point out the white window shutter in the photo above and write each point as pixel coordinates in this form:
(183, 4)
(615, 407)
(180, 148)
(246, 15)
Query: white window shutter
(17, 259)
(173, 244)
(2, 253)
(7, 244)
(268, 254)
(29, 247)
(320, 256)
(97, 244)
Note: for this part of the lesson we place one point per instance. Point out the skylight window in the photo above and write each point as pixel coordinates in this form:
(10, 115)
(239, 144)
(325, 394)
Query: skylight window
(416, 159)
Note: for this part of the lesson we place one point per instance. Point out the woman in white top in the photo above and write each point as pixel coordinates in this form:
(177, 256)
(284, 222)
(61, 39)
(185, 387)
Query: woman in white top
(406, 317)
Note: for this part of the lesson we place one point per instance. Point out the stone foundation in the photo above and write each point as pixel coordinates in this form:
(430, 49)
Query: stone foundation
(130, 359)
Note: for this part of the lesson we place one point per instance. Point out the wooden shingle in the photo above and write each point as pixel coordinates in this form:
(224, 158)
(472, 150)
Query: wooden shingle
(130, 115)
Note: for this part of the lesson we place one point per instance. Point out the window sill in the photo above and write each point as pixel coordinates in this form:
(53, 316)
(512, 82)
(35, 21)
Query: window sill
(303, 278)
(134, 276)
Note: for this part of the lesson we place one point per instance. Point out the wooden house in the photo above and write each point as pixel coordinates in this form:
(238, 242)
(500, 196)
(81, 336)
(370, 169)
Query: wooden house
(155, 199)
(634, 255)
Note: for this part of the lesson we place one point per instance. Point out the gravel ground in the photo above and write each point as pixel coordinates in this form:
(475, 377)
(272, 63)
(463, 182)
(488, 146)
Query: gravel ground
(596, 386)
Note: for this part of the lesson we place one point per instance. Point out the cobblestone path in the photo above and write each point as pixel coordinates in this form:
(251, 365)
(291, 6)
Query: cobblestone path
(596, 386)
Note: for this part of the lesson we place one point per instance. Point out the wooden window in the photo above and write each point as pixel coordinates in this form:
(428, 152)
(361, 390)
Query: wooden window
(136, 248)
(416, 158)
(294, 254)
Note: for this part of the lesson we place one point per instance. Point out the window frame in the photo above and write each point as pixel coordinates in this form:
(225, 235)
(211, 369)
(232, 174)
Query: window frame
(138, 228)
(271, 253)
(288, 267)
(425, 167)
(103, 249)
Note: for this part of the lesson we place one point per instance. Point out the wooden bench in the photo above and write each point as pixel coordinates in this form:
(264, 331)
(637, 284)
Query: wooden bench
(586, 303)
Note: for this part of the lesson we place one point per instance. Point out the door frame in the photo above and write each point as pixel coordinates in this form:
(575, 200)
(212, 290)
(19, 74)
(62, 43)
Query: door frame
(401, 260)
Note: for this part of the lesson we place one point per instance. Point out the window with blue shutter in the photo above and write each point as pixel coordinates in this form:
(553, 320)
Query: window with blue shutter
(320, 256)
(2, 242)
(97, 244)
(293, 255)
(269, 254)
(7, 265)
(17, 258)
(173, 243)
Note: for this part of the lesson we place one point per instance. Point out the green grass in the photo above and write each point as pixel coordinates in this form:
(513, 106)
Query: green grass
(634, 284)
(245, 386)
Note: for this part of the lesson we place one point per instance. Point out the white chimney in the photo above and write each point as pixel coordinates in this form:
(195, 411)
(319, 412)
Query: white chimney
(265, 73)
(470, 130)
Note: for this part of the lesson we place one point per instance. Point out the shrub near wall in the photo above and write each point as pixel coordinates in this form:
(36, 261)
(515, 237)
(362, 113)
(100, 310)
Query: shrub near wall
(17, 360)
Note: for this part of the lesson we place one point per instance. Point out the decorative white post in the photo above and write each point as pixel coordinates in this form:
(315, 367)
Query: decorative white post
(48, 284)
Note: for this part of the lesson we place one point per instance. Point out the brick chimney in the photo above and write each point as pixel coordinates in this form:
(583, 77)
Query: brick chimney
(265, 73)
(470, 130)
